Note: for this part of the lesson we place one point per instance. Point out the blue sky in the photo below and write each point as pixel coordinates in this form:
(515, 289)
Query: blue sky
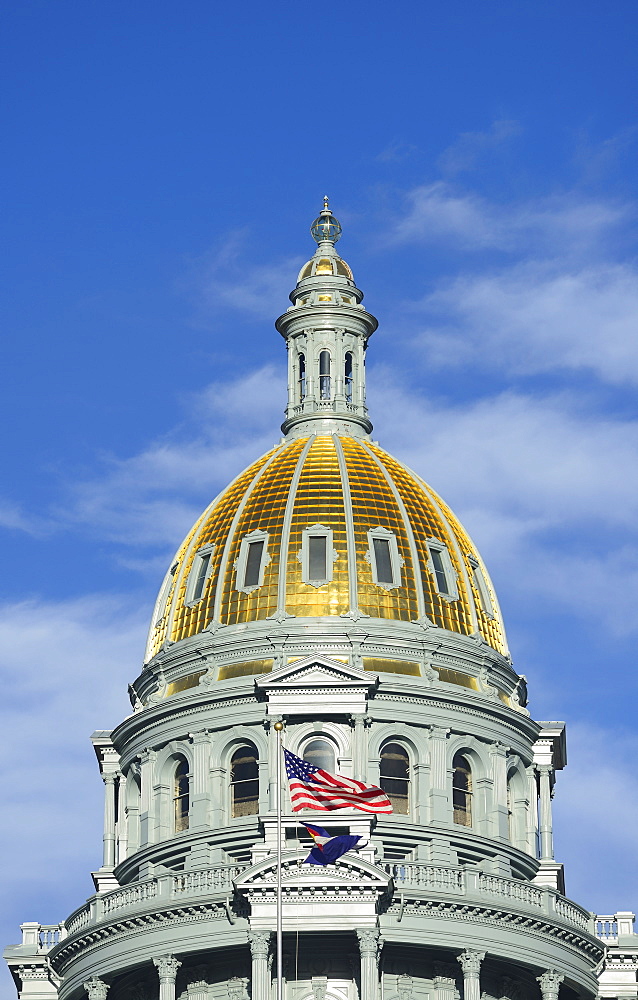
(163, 163)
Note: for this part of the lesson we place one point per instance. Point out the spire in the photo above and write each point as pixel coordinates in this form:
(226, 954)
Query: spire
(326, 331)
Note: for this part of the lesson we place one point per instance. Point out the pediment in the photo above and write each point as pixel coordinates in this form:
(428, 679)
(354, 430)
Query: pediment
(316, 672)
(348, 871)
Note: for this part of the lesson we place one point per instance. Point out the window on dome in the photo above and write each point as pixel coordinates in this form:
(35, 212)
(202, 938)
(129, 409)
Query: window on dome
(395, 776)
(316, 555)
(441, 568)
(383, 556)
(481, 585)
(199, 574)
(462, 790)
(244, 781)
(324, 266)
(181, 796)
(348, 376)
(307, 271)
(321, 754)
(301, 382)
(252, 561)
(325, 387)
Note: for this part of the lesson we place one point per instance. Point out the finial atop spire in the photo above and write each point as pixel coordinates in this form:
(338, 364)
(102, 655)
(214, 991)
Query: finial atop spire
(325, 228)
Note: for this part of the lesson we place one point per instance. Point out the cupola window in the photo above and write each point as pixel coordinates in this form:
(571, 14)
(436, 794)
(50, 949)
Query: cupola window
(343, 269)
(321, 754)
(441, 568)
(324, 266)
(348, 376)
(324, 298)
(395, 776)
(481, 585)
(199, 574)
(307, 271)
(462, 790)
(383, 556)
(252, 561)
(316, 555)
(325, 387)
(244, 781)
(181, 796)
(301, 382)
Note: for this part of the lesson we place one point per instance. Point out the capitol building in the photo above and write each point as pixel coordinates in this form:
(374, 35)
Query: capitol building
(330, 589)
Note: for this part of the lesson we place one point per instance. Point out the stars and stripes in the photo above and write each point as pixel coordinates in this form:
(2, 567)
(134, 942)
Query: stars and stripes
(313, 788)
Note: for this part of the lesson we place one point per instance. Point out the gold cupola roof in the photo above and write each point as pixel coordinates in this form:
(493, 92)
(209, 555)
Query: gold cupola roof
(392, 549)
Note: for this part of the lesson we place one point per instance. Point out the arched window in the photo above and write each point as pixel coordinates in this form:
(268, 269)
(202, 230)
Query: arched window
(301, 385)
(325, 388)
(244, 781)
(395, 776)
(462, 790)
(321, 754)
(348, 376)
(181, 795)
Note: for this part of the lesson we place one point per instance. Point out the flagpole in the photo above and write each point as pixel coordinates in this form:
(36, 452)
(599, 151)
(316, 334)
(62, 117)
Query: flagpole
(278, 729)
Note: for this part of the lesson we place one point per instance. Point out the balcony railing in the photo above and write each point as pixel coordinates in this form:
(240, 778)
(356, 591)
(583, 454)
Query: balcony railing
(165, 890)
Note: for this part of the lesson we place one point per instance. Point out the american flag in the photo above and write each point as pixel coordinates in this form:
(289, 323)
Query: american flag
(313, 788)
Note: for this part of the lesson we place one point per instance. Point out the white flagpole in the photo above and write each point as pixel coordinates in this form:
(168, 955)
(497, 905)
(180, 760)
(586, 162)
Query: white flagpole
(278, 729)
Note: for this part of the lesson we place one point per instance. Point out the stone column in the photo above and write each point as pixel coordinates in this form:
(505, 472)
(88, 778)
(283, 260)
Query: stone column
(439, 796)
(498, 753)
(369, 947)
(550, 984)
(167, 966)
(470, 962)
(147, 803)
(259, 952)
(545, 788)
(200, 795)
(359, 754)
(532, 811)
(108, 838)
(96, 989)
(445, 988)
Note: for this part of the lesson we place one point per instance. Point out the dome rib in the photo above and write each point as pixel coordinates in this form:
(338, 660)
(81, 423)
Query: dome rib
(286, 528)
(353, 583)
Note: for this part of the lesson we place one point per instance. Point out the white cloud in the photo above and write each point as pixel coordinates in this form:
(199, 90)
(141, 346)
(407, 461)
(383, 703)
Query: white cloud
(596, 818)
(65, 668)
(551, 226)
(550, 493)
(227, 279)
(154, 497)
(538, 317)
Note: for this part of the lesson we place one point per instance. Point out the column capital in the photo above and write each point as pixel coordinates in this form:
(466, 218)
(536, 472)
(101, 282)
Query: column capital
(259, 942)
(470, 961)
(96, 988)
(369, 940)
(550, 983)
(110, 777)
(498, 749)
(167, 966)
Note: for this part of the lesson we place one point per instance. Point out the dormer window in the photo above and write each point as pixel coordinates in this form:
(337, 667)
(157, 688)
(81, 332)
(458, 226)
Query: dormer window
(441, 568)
(481, 585)
(199, 574)
(383, 556)
(316, 555)
(252, 561)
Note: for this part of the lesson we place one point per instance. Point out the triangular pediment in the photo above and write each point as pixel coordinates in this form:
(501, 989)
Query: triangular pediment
(317, 671)
(347, 871)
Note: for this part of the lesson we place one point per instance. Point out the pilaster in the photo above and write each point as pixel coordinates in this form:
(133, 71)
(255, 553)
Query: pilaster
(147, 803)
(500, 819)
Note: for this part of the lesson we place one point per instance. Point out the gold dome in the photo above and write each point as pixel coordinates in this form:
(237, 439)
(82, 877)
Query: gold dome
(368, 507)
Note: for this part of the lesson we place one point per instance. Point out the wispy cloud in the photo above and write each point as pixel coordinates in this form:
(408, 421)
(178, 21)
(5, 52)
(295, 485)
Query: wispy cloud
(472, 147)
